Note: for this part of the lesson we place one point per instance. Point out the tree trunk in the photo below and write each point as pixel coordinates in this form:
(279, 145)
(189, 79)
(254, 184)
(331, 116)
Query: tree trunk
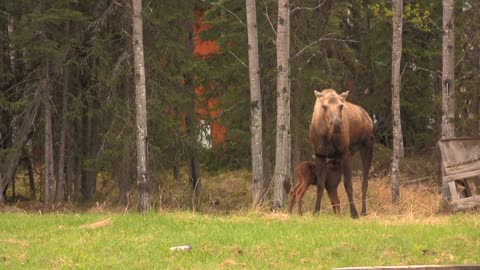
(60, 192)
(396, 83)
(77, 138)
(191, 119)
(89, 170)
(258, 179)
(69, 171)
(77, 183)
(141, 108)
(297, 119)
(48, 143)
(448, 65)
(476, 92)
(124, 174)
(448, 79)
(281, 174)
(11, 161)
(29, 160)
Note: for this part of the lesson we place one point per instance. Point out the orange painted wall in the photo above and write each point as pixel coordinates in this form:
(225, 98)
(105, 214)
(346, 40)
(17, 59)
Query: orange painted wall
(207, 107)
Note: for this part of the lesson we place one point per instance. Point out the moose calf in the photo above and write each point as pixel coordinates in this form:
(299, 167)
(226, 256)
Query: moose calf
(306, 176)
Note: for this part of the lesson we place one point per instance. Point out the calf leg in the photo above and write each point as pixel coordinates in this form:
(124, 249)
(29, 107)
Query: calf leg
(299, 197)
(347, 175)
(291, 198)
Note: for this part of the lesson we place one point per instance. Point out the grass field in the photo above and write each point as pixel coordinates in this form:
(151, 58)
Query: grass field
(226, 234)
(249, 240)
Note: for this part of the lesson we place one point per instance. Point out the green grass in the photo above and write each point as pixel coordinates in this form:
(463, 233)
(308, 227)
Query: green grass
(243, 240)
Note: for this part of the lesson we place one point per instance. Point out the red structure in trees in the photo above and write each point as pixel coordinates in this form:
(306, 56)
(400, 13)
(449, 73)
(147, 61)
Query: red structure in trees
(207, 107)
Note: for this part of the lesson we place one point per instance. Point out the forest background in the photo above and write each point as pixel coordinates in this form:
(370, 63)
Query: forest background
(66, 73)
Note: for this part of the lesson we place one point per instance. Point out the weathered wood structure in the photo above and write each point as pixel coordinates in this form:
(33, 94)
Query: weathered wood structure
(459, 163)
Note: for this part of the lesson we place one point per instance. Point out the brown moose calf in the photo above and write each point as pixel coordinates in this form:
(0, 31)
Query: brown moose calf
(306, 177)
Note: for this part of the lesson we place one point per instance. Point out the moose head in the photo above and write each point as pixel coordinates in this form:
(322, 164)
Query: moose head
(332, 105)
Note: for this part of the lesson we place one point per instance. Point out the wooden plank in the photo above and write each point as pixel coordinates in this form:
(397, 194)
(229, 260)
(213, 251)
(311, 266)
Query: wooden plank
(453, 191)
(468, 199)
(466, 203)
(465, 167)
(457, 151)
(463, 175)
(421, 179)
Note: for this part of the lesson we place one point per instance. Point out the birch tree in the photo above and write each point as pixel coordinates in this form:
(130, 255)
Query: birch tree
(448, 79)
(258, 181)
(397, 20)
(281, 174)
(448, 65)
(141, 110)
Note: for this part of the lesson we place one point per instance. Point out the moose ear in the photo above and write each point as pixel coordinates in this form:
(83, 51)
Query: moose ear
(344, 95)
(317, 93)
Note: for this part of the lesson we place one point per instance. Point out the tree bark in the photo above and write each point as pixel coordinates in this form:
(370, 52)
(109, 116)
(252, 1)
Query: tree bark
(396, 83)
(281, 174)
(448, 79)
(258, 180)
(141, 108)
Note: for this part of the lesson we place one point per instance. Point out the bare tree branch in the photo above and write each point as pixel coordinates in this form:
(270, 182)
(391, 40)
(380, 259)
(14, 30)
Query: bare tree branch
(436, 73)
(318, 41)
(239, 60)
(307, 8)
(235, 15)
(268, 17)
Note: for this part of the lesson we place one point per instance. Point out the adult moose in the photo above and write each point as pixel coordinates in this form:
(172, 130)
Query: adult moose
(338, 129)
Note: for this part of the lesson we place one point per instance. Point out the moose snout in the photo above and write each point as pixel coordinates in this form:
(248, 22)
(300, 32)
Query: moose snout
(335, 124)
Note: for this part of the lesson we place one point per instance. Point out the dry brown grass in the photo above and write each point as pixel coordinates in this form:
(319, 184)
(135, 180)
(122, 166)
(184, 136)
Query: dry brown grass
(230, 191)
(98, 224)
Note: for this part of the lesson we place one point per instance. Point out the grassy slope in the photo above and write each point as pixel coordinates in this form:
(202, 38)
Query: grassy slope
(244, 240)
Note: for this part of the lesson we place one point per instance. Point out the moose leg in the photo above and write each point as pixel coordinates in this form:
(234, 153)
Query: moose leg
(347, 175)
(321, 175)
(334, 200)
(366, 155)
(333, 180)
